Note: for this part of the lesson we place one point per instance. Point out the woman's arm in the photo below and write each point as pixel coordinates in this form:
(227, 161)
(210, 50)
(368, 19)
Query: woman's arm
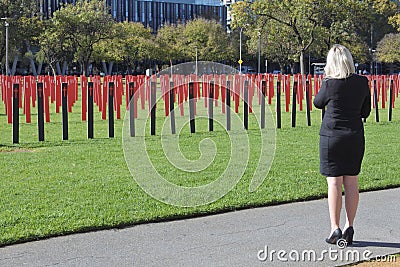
(322, 98)
(366, 106)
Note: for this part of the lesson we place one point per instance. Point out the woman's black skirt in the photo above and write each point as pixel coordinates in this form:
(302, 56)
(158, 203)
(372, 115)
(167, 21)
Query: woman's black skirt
(341, 155)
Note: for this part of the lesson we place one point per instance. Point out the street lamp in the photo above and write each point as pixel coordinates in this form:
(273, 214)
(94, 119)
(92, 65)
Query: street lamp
(196, 60)
(6, 24)
(240, 51)
(372, 51)
(259, 51)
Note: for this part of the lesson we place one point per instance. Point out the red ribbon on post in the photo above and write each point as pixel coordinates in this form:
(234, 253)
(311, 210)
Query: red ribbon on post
(84, 84)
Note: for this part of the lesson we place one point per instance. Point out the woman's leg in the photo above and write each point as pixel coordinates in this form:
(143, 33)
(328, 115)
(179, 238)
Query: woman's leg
(335, 200)
(351, 197)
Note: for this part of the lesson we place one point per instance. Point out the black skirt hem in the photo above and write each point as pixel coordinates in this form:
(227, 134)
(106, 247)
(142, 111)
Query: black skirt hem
(341, 155)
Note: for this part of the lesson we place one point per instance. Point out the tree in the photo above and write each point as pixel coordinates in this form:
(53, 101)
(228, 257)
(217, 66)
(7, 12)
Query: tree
(394, 19)
(180, 42)
(276, 43)
(315, 25)
(168, 41)
(132, 42)
(301, 17)
(84, 25)
(54, 47)
(23, 26)
(293, 22)
(388, 49)
(209, 37)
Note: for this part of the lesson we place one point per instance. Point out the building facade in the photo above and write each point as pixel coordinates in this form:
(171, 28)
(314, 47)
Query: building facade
(153, 13)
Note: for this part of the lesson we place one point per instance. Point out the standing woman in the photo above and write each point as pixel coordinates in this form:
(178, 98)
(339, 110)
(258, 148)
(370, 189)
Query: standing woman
(347, 99)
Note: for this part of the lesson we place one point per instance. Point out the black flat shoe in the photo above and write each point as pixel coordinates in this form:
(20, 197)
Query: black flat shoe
(348, 235)
(335, 236)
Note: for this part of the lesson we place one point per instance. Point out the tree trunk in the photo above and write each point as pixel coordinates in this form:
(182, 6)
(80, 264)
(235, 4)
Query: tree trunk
(282, 67)
(41, 9)
(83, 68)
(64, 68)
(110, 68)
(58, 68)
(104, 64)
(54, 71)
(302, 62)
(39, 69)
(33, 67)
(14, 65)
(49, 9)
(303, 77)
(292, 68)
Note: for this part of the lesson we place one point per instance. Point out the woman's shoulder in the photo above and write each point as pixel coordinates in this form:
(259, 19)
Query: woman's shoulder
(331, 81)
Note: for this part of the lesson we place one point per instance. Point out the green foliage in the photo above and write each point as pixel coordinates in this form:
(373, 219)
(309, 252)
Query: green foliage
(209, 37)
(24, 25)
(83, 26)
(297, 19)
(243, 14)
(86, 32)
(395, 21)
(394, 15)
(168, 42)
(293, 27)
(131, 42)
(388, 49)
(179, 42)
(275, 43)
(70, 34)
(54, 46)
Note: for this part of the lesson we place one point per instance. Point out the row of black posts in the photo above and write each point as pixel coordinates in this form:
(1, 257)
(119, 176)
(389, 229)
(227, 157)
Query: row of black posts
(390, 109)
(153, 105)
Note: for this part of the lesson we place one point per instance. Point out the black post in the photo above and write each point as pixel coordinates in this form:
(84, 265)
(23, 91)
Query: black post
(40, 111)
(191, 108)
(211, 107)
(295, 84)
(246, 105)
(90, 110)
(131, 92)
(391, 99)
(15, 112)
(308, 104)
(278, 105)
(172, 106)
(153, 106)
(64, 89)
(263, 89)
(111, 93)
(376, 102)
(228, 105)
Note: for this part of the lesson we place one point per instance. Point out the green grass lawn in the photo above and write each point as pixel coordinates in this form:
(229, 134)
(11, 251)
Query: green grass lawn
(58, 187)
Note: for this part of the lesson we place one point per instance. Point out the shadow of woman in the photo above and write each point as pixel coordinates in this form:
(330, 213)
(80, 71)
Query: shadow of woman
(363, 244)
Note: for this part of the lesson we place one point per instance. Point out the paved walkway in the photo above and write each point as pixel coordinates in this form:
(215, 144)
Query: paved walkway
(231, 239)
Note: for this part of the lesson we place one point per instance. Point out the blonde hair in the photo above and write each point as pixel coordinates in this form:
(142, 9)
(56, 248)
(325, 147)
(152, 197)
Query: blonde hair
(339, 63)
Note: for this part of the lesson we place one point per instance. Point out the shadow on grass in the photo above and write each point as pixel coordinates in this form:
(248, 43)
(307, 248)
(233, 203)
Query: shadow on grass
(61, 143)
